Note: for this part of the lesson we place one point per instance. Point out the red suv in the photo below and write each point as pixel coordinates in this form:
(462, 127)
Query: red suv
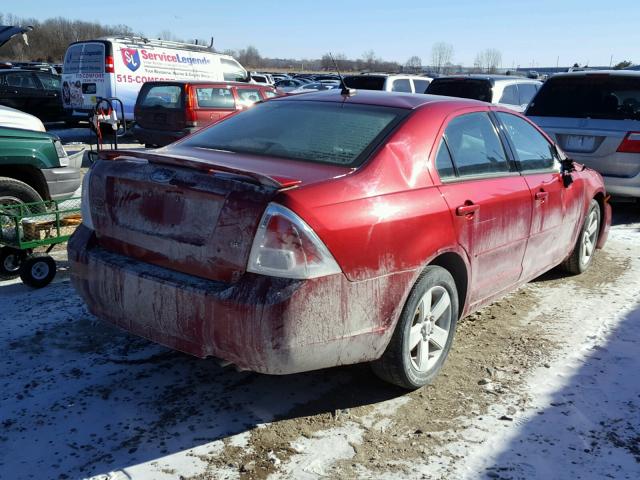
(167, 111)
(327, 229)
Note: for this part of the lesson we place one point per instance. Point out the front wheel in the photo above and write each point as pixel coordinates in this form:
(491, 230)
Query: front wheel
(424, 333)
(10, 260)
(38, 271)
(585, 248)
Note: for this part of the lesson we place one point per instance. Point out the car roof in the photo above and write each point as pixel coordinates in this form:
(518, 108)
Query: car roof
(587, 73)
(407, 101)
(488, 77)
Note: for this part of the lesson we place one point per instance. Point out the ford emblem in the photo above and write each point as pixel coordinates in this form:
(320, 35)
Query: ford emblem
(162, 175)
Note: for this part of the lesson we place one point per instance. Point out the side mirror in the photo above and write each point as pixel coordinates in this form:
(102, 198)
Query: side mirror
(566, 167)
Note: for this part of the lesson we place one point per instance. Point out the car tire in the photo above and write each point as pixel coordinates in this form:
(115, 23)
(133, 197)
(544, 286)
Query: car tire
(14, 191)
(37, 271)
(584, 250)
(424, 332)
(10, 260)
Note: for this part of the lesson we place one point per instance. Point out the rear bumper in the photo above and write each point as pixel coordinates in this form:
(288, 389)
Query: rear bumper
(159, 137)
(623, 187)
(62, 182)
(264, 324)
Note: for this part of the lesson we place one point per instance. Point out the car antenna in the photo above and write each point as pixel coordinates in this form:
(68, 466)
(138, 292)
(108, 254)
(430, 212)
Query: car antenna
(349, 92)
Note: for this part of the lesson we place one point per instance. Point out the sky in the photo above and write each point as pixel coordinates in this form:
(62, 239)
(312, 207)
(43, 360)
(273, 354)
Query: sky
(527, 33)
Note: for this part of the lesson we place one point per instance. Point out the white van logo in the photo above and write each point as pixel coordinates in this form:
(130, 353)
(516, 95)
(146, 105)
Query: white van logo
(131, 58)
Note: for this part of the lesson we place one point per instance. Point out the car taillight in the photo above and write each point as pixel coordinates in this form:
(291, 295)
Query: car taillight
(109, 66)
(631, 143)
(190, 117)
(285, 246)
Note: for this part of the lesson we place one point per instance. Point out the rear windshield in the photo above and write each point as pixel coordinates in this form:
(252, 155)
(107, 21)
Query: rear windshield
(167, 96)
(365, 82)
(463, 88)
(334, 133)
(591, 96)
(84, 58)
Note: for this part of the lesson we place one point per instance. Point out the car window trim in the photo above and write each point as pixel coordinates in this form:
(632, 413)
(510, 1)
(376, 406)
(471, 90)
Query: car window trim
(480, 176)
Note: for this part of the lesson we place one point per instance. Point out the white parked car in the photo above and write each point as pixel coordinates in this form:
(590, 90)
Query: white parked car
(10, 117)
(388, 83)
(512, 92)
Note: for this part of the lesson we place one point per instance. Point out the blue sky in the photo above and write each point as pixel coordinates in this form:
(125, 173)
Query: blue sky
(528, 33)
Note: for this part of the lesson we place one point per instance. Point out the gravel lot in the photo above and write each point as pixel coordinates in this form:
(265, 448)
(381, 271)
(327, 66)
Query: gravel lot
(538, 385)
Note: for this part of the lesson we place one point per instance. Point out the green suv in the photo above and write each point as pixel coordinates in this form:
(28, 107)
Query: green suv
(34, 167)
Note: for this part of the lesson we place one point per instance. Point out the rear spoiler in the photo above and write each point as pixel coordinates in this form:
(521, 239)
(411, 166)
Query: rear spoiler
(278, 182)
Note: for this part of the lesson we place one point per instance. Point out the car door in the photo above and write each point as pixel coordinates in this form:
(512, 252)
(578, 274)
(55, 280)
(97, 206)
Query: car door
(489, 201)
(554, 205)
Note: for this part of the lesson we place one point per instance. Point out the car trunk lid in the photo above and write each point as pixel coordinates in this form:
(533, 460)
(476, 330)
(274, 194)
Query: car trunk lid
(182, 213)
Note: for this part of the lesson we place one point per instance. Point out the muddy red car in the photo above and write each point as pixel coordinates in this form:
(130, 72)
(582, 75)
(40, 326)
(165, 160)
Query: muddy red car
(329, 229)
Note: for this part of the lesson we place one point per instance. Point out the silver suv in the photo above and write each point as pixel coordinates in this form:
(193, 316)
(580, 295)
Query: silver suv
(595, 117)
(512, 92)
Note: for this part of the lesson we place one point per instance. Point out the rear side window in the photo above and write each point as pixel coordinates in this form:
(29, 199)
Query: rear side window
(475, 145)
(420, 85)
(463, 88)
(590, 96)
(365, 82)
(510, 95)
(444, 164)
(527, 91)
(533, 151)
(334, 133)
(402, 85)
(208, 97)
(248, 96)
(167, 96)
(21, 80)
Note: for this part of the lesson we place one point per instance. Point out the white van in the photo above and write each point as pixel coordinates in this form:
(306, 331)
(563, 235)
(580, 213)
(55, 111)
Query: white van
(118, 66)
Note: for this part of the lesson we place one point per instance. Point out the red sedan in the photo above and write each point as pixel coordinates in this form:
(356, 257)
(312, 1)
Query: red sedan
(328, 229)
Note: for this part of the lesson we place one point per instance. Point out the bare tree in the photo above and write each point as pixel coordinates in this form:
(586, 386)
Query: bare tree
(488, 60)
(249, 57)
(441, 54)
(414, 64)
(369, 59)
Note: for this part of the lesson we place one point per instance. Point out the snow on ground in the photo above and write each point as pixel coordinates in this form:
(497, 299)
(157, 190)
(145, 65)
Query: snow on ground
(81, 399)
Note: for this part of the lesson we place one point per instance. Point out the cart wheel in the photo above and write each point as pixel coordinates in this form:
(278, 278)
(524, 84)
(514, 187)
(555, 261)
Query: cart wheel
(38, 271)
(10, 260)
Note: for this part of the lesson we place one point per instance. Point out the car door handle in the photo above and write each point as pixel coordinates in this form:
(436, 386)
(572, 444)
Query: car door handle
(542, 195)
(467, 209)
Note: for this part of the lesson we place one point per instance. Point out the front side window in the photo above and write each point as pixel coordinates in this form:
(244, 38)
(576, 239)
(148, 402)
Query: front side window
(334, 133)
(49, 82)
(232, 71)
(510, 95)
(269, 94)
(217, 97)
(402, 85)
(533, 151)
(475, 146)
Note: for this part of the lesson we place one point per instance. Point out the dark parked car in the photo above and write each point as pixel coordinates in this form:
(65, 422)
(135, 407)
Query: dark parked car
(34, 92)
(325, 229)
(167, 111)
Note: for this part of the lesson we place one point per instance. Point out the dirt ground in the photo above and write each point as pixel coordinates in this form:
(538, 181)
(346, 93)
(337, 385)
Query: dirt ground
(81, 399)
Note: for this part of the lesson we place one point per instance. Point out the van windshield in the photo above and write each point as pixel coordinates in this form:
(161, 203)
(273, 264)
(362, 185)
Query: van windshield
(334, 133)
(595, 95)
(84, 58)
(474, 89)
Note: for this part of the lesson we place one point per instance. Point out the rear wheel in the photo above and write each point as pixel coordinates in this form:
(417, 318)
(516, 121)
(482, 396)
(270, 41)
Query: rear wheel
(38, 271)
(10, 260)
(585, 247)
(424, 333)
